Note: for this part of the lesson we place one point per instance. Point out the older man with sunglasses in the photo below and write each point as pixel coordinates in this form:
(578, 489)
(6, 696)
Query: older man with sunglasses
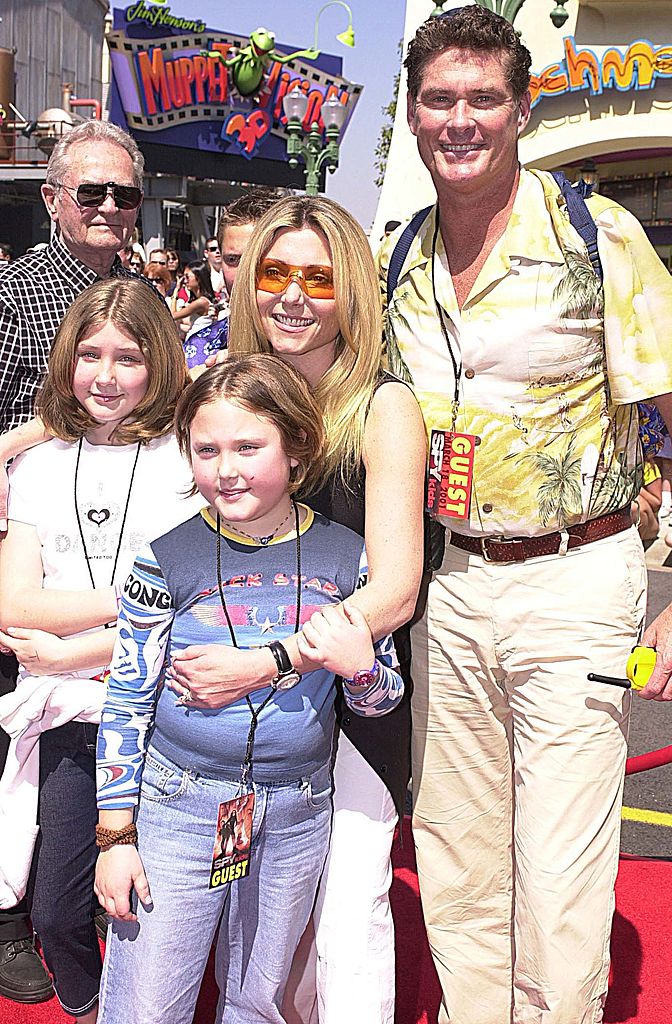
(92, 193)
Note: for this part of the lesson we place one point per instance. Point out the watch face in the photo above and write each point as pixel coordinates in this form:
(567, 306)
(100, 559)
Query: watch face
(286, 681)
(366, 677)
(363, 678)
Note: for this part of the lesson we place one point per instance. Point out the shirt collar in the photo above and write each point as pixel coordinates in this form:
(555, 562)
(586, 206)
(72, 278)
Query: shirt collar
(420, 253)
(530, 234)
(248, 541)
(72, 268)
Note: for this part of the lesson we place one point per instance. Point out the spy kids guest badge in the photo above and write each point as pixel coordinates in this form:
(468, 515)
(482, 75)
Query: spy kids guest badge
(233, 839)
(450, 474)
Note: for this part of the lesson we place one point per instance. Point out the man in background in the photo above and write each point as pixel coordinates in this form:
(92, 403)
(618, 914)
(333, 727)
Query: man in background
(213, 257)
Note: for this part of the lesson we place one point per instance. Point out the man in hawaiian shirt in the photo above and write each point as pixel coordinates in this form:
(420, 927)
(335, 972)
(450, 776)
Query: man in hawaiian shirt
(528, 371)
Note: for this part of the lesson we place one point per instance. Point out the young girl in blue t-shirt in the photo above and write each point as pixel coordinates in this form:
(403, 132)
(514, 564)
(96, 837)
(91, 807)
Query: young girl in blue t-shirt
(233, 803)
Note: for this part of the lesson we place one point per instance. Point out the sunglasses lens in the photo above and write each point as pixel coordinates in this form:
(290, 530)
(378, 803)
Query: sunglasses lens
(271, 278)
(317, 282)
(91, 195)
(126, 197)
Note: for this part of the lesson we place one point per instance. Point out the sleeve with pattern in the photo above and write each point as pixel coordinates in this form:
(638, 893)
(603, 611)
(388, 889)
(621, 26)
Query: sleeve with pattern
(637, 309)
(143, 630)
(386, 691)
(10, 356)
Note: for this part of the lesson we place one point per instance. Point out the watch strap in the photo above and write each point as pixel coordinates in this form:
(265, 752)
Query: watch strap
(282, 659)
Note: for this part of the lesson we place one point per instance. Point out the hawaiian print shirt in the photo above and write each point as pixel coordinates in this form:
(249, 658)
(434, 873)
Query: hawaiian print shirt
(551, 361)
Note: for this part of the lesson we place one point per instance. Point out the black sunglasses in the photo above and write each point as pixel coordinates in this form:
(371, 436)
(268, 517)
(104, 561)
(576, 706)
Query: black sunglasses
(126, 197)
(212, 248)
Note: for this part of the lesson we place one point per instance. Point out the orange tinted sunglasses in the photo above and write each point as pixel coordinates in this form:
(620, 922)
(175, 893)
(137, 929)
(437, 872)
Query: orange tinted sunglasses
(275, 276)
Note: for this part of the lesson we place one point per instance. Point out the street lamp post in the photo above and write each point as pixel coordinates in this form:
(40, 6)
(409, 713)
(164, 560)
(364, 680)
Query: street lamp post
(509, 9)
(316, 152)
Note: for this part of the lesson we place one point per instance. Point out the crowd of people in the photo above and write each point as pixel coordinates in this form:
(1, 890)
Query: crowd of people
(220, 528)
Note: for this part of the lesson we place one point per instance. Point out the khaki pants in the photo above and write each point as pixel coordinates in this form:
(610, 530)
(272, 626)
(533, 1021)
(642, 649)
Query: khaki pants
(518, 774)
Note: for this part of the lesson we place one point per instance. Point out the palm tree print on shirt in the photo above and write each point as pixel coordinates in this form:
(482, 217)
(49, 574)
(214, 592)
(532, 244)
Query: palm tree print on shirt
(559, 494)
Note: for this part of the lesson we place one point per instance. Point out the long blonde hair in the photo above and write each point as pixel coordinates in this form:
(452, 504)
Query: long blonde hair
(344, 393)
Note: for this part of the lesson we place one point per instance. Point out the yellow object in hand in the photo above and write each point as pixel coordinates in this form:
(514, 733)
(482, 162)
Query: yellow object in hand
(640, 666)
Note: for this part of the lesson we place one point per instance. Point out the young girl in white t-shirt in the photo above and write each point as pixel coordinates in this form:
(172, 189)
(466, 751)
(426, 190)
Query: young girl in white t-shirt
(81, 506)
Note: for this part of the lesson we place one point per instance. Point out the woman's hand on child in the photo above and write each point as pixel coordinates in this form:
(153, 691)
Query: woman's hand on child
(215, 675)
(119, 870)
(40, 653)
(338, 637)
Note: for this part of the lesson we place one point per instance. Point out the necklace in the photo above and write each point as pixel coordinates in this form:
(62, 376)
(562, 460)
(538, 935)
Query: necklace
(256, 712)
(123, 521)
(264, 541)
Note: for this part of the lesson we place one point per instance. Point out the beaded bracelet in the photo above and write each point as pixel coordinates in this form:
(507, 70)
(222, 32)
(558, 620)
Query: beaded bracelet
(107, 837)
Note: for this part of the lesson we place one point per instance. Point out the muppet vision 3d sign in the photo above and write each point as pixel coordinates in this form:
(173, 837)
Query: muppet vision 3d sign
(177, 82)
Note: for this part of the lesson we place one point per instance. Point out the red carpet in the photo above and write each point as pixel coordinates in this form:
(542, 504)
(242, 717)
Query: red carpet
(641, 983)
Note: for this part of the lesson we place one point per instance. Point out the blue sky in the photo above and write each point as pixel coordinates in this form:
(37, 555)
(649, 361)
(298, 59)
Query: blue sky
(373, 62)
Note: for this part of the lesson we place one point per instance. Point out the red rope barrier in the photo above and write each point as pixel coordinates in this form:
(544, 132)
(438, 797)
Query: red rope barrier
(654, 759)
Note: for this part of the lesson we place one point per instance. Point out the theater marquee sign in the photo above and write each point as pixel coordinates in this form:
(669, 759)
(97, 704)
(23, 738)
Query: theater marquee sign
(170, 84)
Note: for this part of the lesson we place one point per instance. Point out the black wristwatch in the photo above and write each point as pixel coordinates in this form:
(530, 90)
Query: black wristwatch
(287, 676)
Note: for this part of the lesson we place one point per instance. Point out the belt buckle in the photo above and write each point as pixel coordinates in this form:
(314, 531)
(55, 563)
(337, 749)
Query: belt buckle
(484, 541)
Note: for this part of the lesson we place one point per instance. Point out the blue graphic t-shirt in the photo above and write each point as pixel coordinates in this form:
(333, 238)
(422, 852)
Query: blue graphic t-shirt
(171, 600)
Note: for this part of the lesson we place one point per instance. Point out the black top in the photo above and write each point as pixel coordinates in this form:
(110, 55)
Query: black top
(384, 742)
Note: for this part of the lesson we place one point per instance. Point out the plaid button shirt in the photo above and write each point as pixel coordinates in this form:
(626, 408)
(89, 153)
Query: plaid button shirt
(36, 291)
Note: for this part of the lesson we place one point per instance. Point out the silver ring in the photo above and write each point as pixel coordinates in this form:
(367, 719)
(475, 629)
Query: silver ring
(185, 698)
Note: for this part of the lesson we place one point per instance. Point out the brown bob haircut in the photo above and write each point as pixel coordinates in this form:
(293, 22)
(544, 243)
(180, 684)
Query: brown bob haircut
(264, 385)
(134, 308)
(469, 28)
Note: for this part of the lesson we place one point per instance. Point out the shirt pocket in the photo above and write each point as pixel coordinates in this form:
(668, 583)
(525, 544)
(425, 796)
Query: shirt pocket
(566, 371)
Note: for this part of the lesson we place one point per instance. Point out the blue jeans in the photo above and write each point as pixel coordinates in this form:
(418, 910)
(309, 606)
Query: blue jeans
(153, 968)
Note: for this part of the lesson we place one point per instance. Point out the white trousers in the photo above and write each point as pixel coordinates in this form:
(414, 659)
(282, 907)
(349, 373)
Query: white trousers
(518, 767)
(343, 972)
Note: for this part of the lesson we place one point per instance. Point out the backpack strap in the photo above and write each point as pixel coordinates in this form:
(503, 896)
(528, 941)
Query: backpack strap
(402, 249)
(580, 217)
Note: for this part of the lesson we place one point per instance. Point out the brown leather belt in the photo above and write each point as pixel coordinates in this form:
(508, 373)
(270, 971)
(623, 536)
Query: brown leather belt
(517, 549)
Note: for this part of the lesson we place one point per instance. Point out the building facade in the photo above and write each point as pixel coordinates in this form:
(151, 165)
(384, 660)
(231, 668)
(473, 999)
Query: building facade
(602, 102)
(169, 80)
(48, 44)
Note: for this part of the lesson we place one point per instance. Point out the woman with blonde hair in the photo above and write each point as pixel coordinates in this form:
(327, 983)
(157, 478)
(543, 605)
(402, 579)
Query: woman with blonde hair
(307, 291)
(80, 506)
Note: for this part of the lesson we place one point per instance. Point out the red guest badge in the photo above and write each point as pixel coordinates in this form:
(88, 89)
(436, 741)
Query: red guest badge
(233, 839)
(450, 474)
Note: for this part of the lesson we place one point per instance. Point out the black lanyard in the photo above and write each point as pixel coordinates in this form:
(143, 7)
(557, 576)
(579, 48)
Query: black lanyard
(246, 767)
(457, 367)
(123, 521)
